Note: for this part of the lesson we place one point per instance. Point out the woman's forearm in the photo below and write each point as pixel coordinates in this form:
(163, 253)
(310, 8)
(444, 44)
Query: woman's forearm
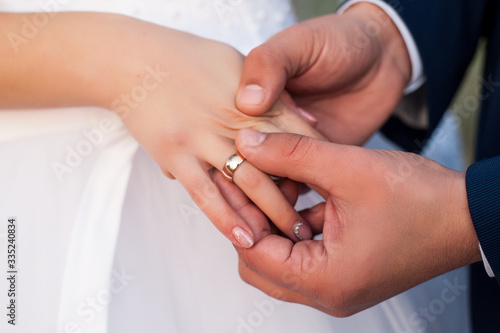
(174, 91)
(79, 59)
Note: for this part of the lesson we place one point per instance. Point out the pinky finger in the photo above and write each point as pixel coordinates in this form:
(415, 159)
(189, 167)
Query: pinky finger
(238, 200)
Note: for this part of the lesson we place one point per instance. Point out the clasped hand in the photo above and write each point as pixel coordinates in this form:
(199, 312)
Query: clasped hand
(384, 230)
(391, 219)
(188, 124)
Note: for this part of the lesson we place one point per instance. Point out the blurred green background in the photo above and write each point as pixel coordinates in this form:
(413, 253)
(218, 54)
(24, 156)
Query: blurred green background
(310, 8)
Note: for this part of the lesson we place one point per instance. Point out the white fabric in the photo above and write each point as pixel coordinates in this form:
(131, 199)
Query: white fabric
(486, 264)
(417, 70)
(113, 246)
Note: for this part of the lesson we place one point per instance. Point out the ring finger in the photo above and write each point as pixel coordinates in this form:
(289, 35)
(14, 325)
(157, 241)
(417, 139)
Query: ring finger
(261, 189)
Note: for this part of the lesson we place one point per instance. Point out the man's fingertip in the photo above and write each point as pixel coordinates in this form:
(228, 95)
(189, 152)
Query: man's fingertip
(252, 95)
(248, 138)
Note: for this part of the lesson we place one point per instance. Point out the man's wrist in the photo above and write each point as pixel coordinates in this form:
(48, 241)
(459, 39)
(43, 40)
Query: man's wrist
(460, 222)
(379, 24)
(417, 71)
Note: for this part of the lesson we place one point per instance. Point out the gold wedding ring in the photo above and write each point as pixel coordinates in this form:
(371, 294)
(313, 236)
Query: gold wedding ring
(232, 163)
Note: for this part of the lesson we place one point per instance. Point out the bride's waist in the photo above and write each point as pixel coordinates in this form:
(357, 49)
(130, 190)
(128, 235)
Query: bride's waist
(22, 124)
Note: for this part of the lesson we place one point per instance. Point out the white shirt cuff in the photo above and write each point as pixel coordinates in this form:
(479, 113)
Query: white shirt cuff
(417, 71)
(486, 264)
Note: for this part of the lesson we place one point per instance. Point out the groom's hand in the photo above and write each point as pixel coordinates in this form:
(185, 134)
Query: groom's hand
(391, 221)
(348, 71)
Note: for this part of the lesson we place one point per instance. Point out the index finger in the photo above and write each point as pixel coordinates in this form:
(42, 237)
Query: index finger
(304, 159)
(268, 67)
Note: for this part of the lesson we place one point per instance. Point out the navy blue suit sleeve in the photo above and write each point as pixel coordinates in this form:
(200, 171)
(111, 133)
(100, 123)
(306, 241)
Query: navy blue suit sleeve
(483, 193)
(446, 33)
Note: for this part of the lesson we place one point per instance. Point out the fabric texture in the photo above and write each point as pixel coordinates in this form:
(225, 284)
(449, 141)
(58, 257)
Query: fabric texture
(114, 246)
(483, 191)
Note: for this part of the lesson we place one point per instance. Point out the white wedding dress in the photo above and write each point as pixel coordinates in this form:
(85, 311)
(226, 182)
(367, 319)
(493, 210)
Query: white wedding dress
(111, 245)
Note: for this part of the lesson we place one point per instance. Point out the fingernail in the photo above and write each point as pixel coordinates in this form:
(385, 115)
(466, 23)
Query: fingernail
(307, 116)
(243, 237)
(301, 231)
(250, 137)
(252, 94)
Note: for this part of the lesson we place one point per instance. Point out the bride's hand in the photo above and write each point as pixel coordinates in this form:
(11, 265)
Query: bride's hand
(184, 115)
(174, 91)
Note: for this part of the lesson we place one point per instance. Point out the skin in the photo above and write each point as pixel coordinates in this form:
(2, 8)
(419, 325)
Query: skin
(384, 230)
(335, 67)
(391, 219)
(188, 120)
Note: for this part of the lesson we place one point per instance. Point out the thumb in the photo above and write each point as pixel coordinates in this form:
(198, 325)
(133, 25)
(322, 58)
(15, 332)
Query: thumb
(268, 67)
(300, 158)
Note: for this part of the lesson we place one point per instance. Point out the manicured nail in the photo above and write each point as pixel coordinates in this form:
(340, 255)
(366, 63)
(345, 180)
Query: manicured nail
(301, 231)
(250, 137)
(252, 95)
(243, 237)
(307, 116)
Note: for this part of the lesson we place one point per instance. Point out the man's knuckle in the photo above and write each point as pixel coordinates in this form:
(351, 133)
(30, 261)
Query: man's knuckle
(298, 148)
(264, 55)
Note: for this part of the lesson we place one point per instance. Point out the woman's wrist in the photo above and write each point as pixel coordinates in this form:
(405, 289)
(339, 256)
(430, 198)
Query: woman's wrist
(119, 63)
